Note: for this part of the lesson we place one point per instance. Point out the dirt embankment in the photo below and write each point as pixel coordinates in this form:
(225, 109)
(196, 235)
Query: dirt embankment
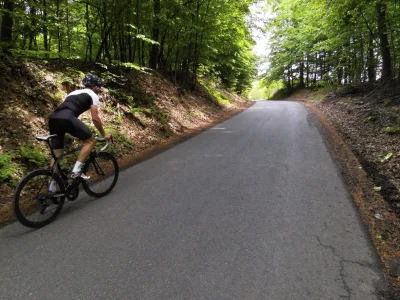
(144, 112)
(361, 126)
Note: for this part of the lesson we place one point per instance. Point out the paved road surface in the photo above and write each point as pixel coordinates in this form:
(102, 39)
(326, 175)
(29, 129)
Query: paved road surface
(253, 208)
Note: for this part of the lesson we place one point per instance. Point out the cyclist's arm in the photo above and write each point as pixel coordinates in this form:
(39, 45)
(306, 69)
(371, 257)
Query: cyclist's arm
(94, 110)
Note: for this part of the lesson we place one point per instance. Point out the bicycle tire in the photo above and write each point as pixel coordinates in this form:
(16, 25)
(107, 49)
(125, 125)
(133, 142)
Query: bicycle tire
(103, 170)
(31, 196)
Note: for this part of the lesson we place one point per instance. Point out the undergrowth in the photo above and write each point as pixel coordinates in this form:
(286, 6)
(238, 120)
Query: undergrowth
(7, 167)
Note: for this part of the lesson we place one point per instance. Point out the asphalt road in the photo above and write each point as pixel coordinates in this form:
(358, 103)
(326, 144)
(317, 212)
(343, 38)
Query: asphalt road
(253, 208)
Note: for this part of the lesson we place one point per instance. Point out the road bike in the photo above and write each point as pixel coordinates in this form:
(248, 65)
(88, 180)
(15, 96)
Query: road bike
(36, 206)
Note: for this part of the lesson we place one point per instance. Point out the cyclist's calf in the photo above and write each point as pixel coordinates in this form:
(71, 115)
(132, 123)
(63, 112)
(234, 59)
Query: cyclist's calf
(88, 146)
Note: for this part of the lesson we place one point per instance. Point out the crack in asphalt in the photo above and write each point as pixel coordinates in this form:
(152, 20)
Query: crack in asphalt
(342, 262)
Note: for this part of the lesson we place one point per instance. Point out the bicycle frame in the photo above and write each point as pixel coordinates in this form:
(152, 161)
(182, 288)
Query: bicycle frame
(56, 164)
(56, 168)
(35, 205)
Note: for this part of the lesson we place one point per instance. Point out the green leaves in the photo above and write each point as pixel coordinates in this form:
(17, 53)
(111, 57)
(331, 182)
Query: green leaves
(182, 35)
(32, 156)
(336, 42)
(7, 167)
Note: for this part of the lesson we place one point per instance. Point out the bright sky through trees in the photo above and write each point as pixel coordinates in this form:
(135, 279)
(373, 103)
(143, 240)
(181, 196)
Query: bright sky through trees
(259, 14)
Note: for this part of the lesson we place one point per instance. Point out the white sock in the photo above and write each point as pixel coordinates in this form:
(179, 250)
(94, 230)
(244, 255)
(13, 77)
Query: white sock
(53, 186)
(78, 166)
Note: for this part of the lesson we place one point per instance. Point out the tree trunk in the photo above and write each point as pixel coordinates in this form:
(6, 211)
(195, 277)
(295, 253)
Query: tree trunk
(6, 27)
(339, 69)
(89, 47)
(315, 69)
(32, 28)
(143, 55)
(154, 53)
(68, 28)
(104, 46)
(384, 41)
(371, 60)
(321, 74)
(45, 30)
(136, 42)
(58, 26)
(308, 70)
(302, 85)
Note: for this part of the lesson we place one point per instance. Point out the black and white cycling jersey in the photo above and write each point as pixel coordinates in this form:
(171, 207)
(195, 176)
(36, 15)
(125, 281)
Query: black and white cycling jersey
(79, 101)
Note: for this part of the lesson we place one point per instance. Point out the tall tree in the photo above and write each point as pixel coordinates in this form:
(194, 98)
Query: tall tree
(154, 55)
(384, 41)
(7, 26)
(345, 42)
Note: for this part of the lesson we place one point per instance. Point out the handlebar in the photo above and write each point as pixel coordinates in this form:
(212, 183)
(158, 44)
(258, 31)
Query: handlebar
(99, 139)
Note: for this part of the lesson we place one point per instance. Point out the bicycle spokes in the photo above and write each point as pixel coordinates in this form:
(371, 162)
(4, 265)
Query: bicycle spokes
(34, 204)
(103, 171)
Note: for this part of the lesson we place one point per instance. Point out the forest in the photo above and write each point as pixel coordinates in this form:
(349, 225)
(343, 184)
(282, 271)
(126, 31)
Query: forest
(312, 43)
(180, 38)
(333, 42)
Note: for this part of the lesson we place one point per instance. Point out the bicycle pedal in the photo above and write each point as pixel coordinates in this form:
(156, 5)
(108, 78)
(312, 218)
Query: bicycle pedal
(79, 175)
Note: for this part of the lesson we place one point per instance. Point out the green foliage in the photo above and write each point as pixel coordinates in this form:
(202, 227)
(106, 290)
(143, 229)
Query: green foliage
(316, 43)
(387, 102)
(216, 95)
(344, 103)
(119, 119)
(152, 112)
(392, 130)
(161, 117)
(135, 109)
(109, 77)
(32, 156)
(121, 96)
(7, 167)
(67, 80)
(194, 37)
(121, 143)
(371, 118)
(146, 99)
(258, 91)
(134, 67)
(273, 88)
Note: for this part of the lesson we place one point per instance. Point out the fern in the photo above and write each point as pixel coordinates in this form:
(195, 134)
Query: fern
(32, 156)
(7, 167)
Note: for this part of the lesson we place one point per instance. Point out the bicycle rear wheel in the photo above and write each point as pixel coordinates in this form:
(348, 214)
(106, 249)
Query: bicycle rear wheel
(103, 171)
(34, 206)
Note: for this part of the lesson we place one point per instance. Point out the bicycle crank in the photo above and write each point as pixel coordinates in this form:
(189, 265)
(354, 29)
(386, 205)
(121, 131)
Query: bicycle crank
(73, 193)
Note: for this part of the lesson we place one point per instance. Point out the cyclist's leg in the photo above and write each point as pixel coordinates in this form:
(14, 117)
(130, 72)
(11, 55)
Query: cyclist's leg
(56, 126)
(82, 132)
(88, 146)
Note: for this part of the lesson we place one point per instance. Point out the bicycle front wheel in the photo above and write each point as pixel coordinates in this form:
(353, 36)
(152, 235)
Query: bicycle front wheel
(103, 171)
(33, 202)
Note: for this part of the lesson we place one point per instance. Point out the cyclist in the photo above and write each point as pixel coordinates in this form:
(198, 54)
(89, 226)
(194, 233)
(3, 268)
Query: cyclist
(65, 120)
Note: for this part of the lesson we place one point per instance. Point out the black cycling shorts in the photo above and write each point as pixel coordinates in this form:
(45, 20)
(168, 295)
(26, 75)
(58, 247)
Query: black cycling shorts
(64, 121)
